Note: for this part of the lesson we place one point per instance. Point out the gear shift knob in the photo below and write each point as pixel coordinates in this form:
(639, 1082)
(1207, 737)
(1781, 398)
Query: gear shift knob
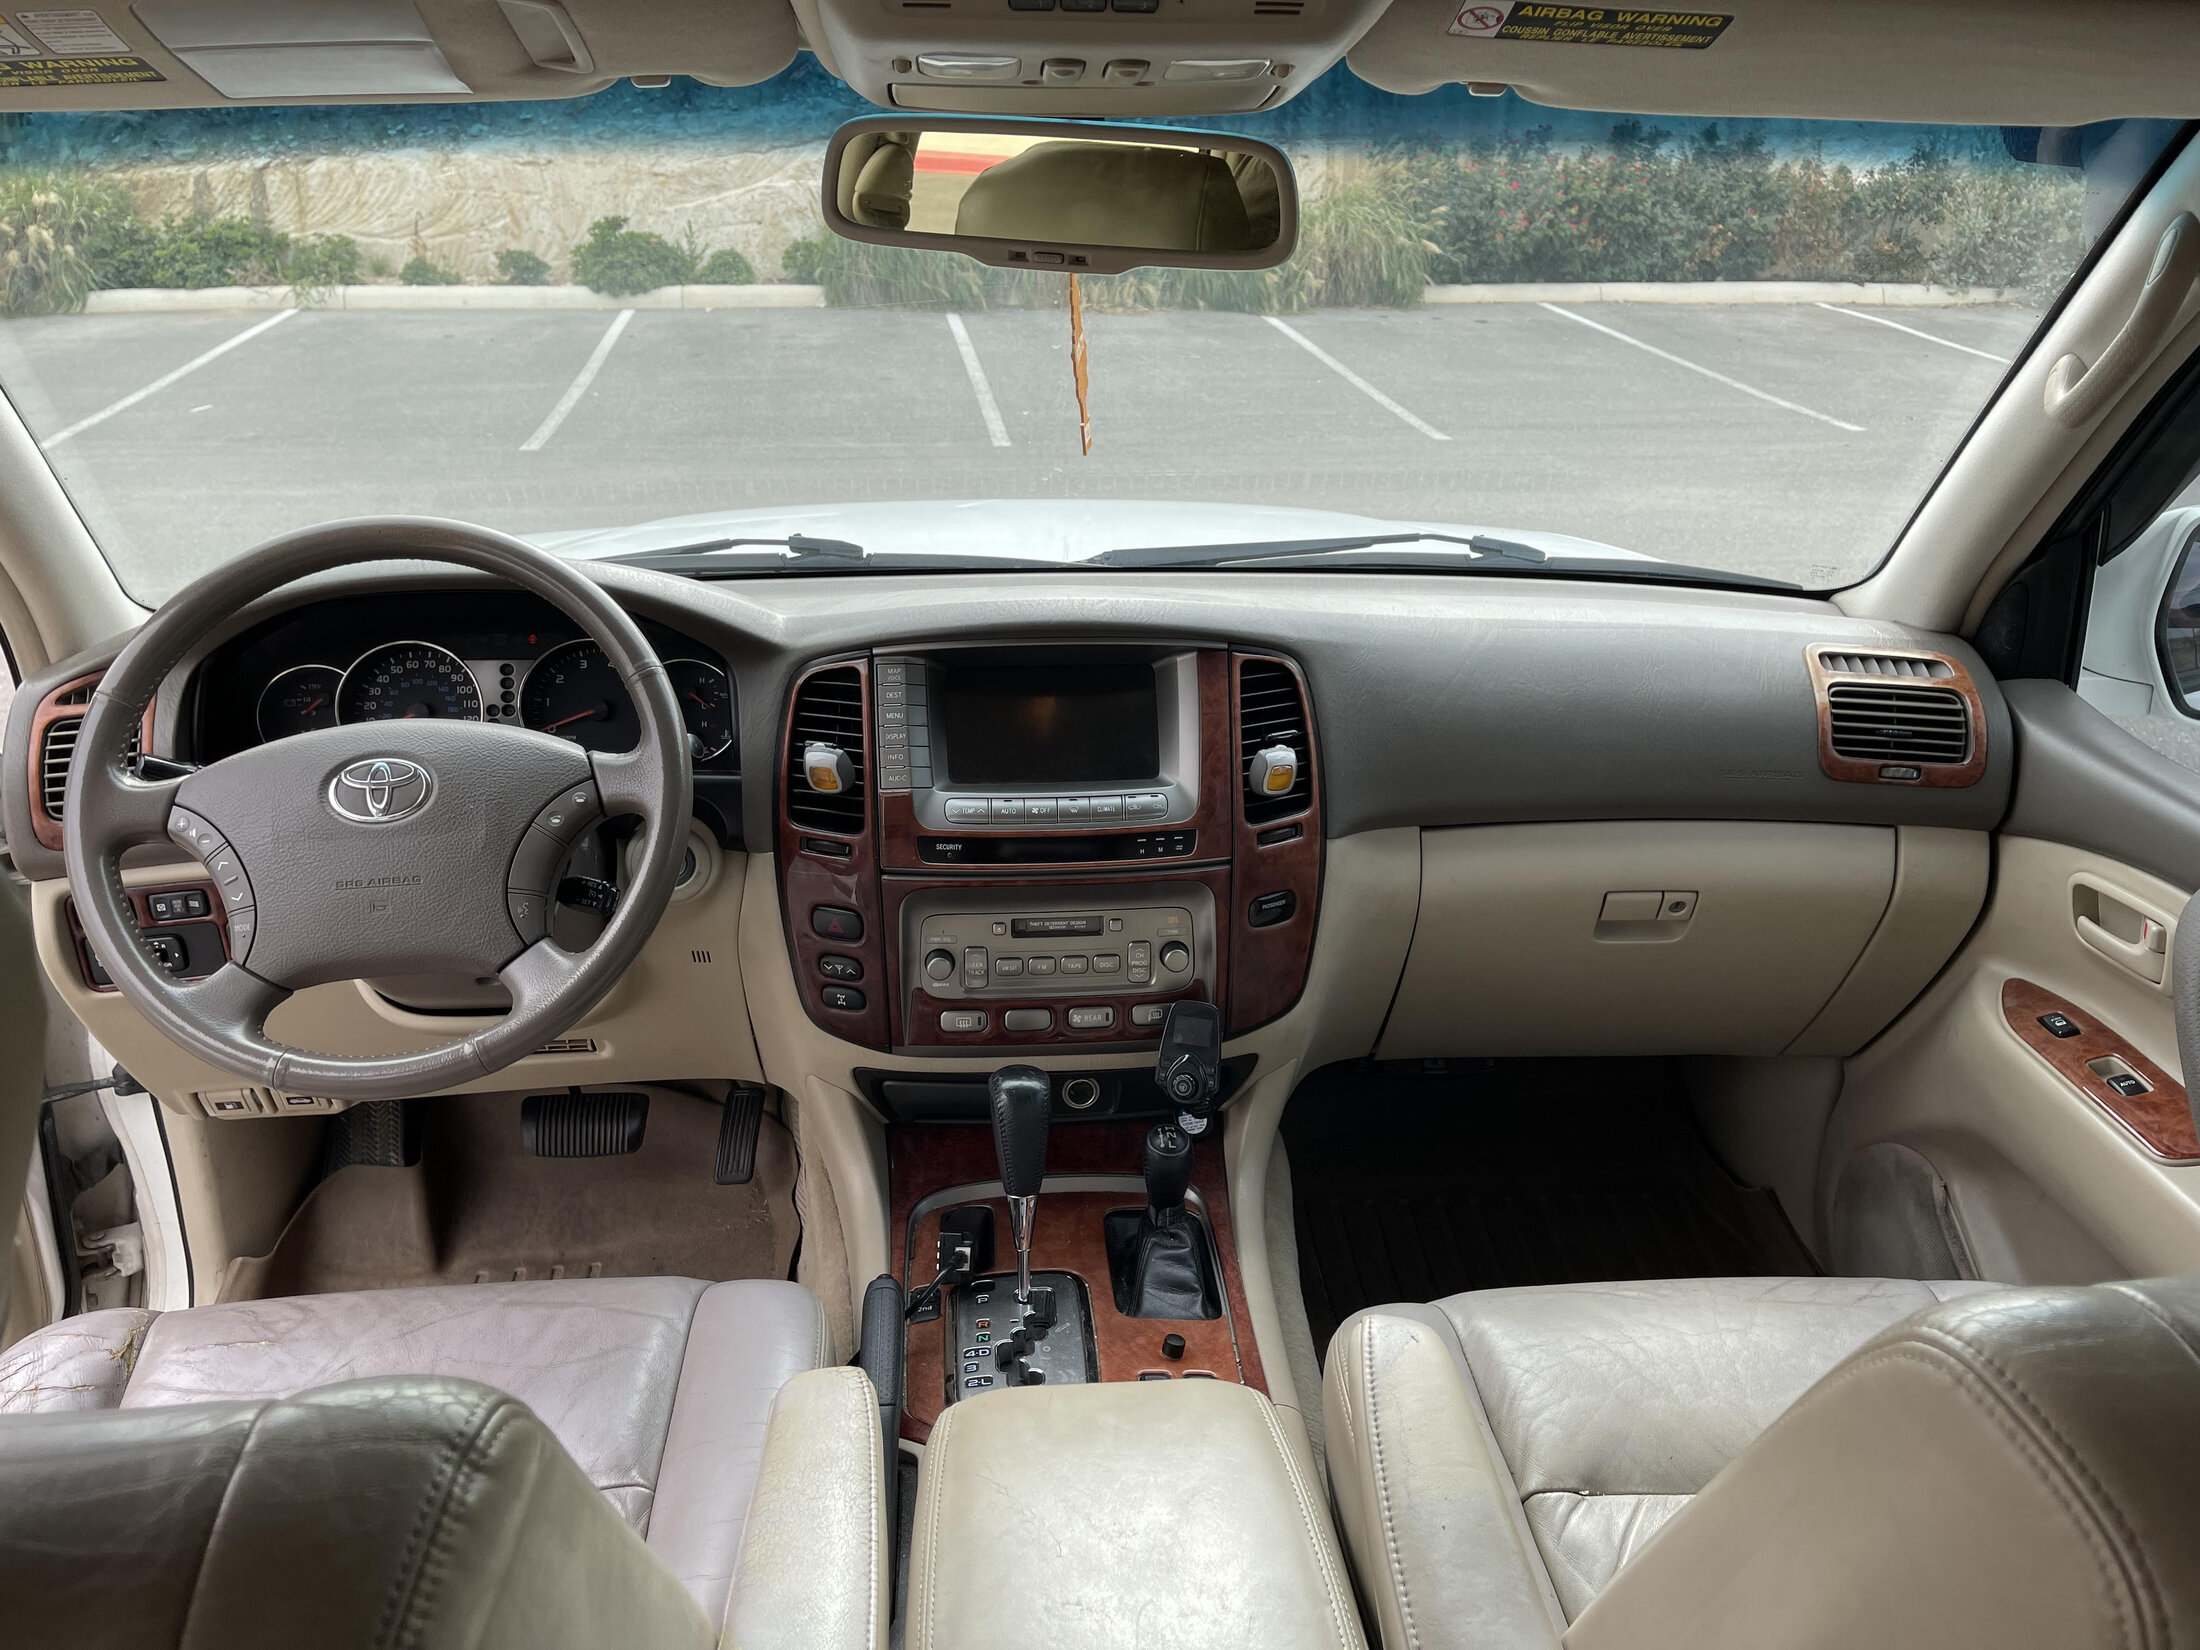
(1023, 1098)
(1023, 1101)
(1168, 1166)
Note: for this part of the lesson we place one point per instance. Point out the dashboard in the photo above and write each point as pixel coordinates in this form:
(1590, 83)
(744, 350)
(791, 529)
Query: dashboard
(483, 656)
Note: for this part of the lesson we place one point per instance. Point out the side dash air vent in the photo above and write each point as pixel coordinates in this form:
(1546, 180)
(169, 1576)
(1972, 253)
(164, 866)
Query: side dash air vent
(55, 755)
(1886, 664)
(1899, 724)
(828, 709)
(1271, 711)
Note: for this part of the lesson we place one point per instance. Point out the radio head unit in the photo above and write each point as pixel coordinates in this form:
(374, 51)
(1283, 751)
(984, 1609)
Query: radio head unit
(1040, 739)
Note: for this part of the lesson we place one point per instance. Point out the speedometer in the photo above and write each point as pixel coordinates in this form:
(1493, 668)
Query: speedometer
(409, 681)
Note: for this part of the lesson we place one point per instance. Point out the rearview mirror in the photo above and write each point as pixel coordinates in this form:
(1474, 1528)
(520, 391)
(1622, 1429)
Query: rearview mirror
(1083, 198)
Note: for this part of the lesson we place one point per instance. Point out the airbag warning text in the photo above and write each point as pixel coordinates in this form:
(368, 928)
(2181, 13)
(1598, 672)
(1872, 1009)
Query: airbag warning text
(1588, 25)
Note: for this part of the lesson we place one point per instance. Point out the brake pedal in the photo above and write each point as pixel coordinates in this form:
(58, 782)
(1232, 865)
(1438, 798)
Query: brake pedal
(574, 1124)
(374, 1134)
(737, 1131)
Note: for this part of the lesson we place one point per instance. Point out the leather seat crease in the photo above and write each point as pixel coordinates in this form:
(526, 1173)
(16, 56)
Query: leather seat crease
(1498, 1456)
(660, 1389)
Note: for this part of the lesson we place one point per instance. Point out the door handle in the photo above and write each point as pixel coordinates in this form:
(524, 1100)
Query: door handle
(2120, 928)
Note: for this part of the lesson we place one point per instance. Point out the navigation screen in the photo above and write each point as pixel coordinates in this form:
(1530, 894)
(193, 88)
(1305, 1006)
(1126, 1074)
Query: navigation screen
(1049, 724)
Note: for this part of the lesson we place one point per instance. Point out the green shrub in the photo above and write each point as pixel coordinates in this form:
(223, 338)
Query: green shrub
(619, 261)
(45, 224)
(518, 268)
(195, 252)
(726, 267)
(421, 272)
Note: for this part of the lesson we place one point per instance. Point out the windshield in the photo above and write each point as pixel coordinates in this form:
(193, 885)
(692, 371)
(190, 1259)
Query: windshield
(616, 325)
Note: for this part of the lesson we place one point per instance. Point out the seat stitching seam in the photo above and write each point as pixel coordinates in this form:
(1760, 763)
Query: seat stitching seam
(398, 1605)
(937, 1448)
(1330, 1587)
(1939, 1362)
(2129, 1547)
(436, 1563)
(1366, 1361)
(866, 1402)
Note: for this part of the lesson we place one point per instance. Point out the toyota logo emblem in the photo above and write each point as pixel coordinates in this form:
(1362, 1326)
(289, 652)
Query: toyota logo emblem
(380, 789)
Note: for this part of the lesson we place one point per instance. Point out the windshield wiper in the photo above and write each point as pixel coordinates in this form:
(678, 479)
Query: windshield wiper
(795, 550)
(1222, 555)
(1483, 554)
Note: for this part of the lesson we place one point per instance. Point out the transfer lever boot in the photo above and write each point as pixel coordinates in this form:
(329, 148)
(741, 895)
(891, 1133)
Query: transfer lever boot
(1169, 1277)
(1023, 1102)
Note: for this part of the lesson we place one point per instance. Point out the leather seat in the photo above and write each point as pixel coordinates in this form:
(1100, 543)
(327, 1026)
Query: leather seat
(1767, 1462)
(660, 1389)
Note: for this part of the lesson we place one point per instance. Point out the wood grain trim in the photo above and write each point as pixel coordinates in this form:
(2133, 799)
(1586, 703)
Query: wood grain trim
(140, 908)
(808, 880)
(1068, 1236)
(1932, 776)
(1268, 966)
(44, 826)
(2159, 1121)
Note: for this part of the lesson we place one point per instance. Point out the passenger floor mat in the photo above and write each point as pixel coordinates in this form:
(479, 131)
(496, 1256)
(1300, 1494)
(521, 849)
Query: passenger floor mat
(476, 1206)
(1411, 1184)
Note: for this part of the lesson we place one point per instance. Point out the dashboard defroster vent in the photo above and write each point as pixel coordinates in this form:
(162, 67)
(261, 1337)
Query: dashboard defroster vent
(1898, 724)
(56, 752)
(828, 709)
(1272, 711)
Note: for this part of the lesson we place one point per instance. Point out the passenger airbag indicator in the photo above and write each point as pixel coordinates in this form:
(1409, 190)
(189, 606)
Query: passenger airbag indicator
(1588, 25)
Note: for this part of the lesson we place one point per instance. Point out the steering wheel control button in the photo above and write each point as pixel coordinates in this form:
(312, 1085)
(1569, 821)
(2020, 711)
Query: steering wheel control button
(242, 926)
(535, 866)
(530, 914)
(839, 968)
(228, 874)
(1092, 1017)
(846, 998)
(834, 922)
(192, 832)
(964, 1019)
(572, 813)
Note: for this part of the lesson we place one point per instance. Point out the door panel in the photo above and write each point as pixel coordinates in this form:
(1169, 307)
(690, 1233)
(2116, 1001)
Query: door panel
(2045, 1184)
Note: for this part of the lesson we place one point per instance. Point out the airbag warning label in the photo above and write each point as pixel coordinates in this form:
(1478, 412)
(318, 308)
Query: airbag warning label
(1588, 25)
(18, 73)
(66, 48)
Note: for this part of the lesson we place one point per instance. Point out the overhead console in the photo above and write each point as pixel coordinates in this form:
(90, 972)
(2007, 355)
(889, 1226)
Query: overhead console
(1080, 58)
(1042, 845)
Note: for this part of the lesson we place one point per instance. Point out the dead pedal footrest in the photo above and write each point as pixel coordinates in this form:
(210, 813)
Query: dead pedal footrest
(574, 1124)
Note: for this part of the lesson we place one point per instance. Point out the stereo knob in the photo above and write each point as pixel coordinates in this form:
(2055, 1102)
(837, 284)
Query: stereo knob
(939, 965)
(1175, 958)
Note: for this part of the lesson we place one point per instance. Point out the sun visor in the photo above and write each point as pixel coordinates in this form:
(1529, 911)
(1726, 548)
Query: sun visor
(160, 54)
(1959, 62)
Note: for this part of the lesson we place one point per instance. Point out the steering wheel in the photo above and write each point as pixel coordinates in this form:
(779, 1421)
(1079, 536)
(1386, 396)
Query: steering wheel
(407, 847)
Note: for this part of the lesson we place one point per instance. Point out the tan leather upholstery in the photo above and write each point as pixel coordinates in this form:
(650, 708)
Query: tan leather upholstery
(417, 1512)
(1108, 194)
(1139, 1513)
(660, 1389)
(815, 1556)
(1499, 1458)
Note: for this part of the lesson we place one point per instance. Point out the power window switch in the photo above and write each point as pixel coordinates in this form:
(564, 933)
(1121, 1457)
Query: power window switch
(2059, 1025)
(2128, 1085)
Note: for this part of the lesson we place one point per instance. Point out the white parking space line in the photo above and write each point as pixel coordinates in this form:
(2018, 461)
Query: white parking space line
(161, 383)
(1944, 343)
(1354, 379)
(986, 404)
(1716, 377)
(579, 387)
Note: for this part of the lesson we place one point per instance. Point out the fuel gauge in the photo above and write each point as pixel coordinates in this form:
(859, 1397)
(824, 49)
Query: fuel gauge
(298, 701)
(706, 702)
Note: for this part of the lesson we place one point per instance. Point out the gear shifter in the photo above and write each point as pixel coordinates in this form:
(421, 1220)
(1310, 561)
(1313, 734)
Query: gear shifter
(1023, 1099)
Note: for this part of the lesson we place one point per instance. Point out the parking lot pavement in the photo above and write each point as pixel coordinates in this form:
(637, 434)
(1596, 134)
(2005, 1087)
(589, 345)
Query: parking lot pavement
(1790, 440)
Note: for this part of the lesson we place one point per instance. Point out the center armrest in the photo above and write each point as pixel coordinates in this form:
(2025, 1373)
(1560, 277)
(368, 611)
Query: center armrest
(1069, 1511)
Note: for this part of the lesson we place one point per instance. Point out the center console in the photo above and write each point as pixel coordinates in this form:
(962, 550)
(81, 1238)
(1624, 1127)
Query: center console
(1047, 845)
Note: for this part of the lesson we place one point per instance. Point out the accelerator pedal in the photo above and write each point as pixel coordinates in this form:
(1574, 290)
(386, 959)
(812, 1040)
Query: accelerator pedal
(574, 1124)
(737, 1132)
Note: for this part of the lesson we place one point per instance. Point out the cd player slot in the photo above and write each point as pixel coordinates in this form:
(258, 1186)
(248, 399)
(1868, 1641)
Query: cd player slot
(1055, 850)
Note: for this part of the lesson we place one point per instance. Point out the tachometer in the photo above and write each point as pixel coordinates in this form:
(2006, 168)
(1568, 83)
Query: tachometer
(408, 681)
(575, 693)
(706, 702)
(298, 701)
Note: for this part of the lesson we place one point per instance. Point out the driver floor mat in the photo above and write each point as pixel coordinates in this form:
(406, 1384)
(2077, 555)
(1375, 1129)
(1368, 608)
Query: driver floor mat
(476, 1206)
(1410, 1184)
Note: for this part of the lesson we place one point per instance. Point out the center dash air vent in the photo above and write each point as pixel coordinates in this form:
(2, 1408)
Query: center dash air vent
(54, 757)
(1271, 711)
(1899, 724)
(828, 709)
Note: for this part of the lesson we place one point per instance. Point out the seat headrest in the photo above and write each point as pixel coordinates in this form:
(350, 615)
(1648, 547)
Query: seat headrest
(1097, 194)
